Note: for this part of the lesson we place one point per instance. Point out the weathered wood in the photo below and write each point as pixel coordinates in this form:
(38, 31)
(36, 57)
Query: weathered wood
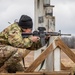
(43, 55)
(56, 43)
(33, 73)
(46, 73)
(63, 67)
(39, 73)
(66, 49)
(7, 74)
(58, 73)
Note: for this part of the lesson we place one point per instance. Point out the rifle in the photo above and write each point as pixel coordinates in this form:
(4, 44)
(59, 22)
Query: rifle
(42, 34)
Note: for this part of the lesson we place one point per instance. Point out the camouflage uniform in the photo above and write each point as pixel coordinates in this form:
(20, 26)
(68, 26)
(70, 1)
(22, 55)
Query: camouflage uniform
(13, 46)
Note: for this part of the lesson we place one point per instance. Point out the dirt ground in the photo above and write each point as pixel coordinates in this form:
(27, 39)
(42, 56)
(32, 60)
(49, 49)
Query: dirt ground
(64, 59)
(28, 59)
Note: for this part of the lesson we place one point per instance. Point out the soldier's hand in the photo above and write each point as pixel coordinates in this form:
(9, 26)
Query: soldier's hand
(34, 38)
(47, 37)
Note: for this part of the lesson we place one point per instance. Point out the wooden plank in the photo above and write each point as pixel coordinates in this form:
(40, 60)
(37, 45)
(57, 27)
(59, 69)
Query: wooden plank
(63, 67)
(43, 55)
(20, 73)
(38, 73)
(49, 73)
(58, 73)
(7, 74)
(66, 49)
(33, 73)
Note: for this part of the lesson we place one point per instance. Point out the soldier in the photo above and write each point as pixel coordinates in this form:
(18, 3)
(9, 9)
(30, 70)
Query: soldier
(13, 47)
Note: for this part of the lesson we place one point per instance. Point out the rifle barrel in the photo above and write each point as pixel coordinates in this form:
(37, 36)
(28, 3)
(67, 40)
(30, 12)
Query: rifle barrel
(66, 34)
(57, 34)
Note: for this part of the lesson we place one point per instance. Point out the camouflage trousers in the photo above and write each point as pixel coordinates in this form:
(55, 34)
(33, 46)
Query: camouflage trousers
(11, 56)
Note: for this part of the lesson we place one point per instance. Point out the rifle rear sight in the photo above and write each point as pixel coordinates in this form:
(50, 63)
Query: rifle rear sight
(41, 29)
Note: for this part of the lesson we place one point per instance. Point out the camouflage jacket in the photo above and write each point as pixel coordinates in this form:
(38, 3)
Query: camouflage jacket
(12, 36)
